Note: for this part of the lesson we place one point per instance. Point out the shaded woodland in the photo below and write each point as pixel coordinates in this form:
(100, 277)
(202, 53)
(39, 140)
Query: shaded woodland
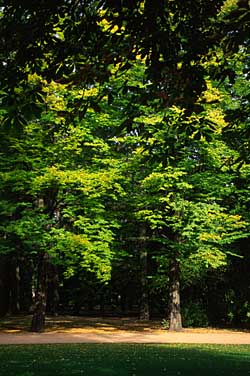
(125, 160)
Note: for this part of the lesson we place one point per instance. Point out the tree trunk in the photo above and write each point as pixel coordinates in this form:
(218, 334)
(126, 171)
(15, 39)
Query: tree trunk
(14, 287)
(53, 293)
(175, 321)
(143, 255)
(4, 287)
(38, 320)
(26, 285)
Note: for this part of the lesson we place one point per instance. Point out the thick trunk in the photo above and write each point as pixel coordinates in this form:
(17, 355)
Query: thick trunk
(143, 255)
(38, 320)
(14, 287)
(26, 285)
(4, 288)
(102, 304)
(53, 293)
(175, 321)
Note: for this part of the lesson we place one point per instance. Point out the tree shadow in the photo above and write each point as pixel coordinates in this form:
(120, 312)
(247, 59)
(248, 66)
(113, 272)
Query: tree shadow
(126, 360)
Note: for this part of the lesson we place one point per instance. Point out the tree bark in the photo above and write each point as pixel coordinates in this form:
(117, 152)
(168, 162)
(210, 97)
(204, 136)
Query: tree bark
(53, 293)
(4, 288)
(143, 255)
(14, 287)
(26, 285)
(175, 321)
(38, 320)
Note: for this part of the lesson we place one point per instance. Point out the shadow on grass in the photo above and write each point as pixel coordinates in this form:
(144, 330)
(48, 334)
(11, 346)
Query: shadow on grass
(125, 360)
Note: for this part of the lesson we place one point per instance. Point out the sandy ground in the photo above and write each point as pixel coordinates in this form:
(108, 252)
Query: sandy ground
(70, 329)
(126, 337)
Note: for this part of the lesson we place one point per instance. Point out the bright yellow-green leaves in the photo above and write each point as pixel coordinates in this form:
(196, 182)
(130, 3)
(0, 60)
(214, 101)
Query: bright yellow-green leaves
(88, 164)
(66, 178)
(212, 94)
(228, 6)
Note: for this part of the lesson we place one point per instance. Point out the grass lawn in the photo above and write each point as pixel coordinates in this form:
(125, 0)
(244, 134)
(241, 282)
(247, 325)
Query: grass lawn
(124, 360)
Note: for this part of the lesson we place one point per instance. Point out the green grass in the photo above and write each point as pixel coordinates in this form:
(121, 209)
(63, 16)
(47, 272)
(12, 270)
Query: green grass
(124, 360)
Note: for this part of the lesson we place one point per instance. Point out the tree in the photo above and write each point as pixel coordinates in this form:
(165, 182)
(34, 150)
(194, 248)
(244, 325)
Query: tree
(181, 184)
(60, 193)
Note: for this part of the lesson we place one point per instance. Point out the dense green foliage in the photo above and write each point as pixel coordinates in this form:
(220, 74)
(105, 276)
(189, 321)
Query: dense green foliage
(124, 159)
(123, 359)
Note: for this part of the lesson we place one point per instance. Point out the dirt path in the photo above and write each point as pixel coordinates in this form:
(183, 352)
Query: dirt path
(70, 329)
(126, 337)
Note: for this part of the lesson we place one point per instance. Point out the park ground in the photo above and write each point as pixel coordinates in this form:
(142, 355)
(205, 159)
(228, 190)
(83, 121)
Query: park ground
(73, 329)
(119, 347)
